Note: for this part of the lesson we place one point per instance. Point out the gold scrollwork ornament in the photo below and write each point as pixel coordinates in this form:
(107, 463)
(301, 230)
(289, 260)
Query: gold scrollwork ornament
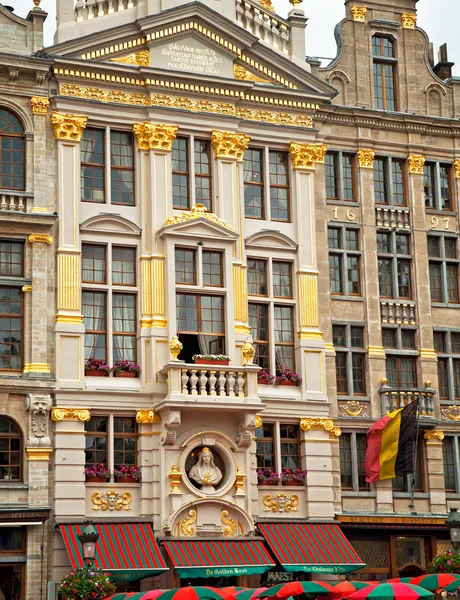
(259, 422)
(230, 526)
(175, 477)
(229, 145)
(358, 13)
(198, 212)
(154, 136)
(408, 20)
(365, 158)
(307, 424)
(147, 417)
(434, 435)
(68, 127)
(416, 163)
(186, 525)
(281, 503)
(457, 168)
(451, 412)
(39, 105)
(70, 414)
(111, 500)
(353, 408)
(267, 4)
(305, 156)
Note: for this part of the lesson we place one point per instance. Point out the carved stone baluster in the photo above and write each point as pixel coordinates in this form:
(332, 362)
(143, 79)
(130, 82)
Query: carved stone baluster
(101, 7)
(378, 217)
(79, 11)
(221, 380)
(404, 315)
(284, 37)
(412, 314)
(239, 12)
(184, 380)
(423, 406)
(12, 203)
(240, 384)
(212, 383)
(230, 383)
(3, 204)
(21, 205)
(248, 16)
(193, 382)
(386, 220)
(91, 6)
(257, 22)
(386, 403)
(266, 30)
(392, 219)
(275, 35)
(391, 316)
(394, 401)
(202, 379)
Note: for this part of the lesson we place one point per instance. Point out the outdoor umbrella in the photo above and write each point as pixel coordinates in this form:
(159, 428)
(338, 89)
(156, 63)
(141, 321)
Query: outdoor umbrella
(150, 595)
(435, 581)
(191, 593)
(311, 589)
(249, 594)
(392, 591)
(347, 588)
(400, 580)
(452, 587)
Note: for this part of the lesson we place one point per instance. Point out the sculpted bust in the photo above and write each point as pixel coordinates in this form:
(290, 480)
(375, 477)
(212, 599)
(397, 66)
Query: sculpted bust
(205, 471)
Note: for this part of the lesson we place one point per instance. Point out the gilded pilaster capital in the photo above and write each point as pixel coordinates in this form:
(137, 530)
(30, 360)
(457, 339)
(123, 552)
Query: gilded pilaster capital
(366, 158)
(70, 414)
(40, 238)
(229, 145)
(457, 168)
(39, 105)
(259, 422)
(376, 352)
(358, 12)
(26, 288)
(154, 136)
(68, 127)
(147, 417)
(434, 435)
(305, 156)
(39, 454)
(416, 163)
(408, 21)
(429, 353)
(307, 424)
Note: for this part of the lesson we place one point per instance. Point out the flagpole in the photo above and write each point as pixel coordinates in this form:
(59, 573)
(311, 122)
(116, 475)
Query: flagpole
(414, 458)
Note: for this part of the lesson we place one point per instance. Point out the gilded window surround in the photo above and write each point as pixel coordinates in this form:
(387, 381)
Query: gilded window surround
(316, 424)
(59, 414)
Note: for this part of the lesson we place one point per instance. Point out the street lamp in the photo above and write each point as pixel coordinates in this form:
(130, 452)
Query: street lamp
(453, 523)
(88, 539)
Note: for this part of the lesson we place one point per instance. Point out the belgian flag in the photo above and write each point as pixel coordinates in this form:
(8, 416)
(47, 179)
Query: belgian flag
(390, 449)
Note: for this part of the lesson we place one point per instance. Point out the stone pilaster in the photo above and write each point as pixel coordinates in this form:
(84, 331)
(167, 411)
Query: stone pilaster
(148, 426)
(435, 471)
(42, 183)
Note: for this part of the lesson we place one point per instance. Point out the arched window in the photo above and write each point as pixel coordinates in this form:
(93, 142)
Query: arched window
(10, 450)
(11, 152)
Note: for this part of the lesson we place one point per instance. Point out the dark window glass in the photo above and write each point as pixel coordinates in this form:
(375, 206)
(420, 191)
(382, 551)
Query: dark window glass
(94, 319)
(185, 266)
(265, 446)
(448, 449)
(356, 337)
(203, 181)
(359, 378)
(94, 263)
(253, 184)
(202, 316)
(11, 328)
(282, 284)
(434, 246)
(389, 338)
(346, 469)
(382, 46)
(404, 279)
(284, 337)
(452, 283)
(348, 177)
(258, 322)
(408, 339)
(386, 277)
(11, 258)
(402, 244)
(12, 539)
(401, 372)
(290, 446)
(212, 268)
(10, 448)
(383, 242)
(122, 168)
(436, 282)
(180, 173)
(92, 153)
(450, 246)
(339, 335)
(444, 176)
(257, 277)
(96, 441)
(439, 342)
(124, 327)
(12, 156)
(124, 441)
(352, 239)
(443, 378)
(331, 175)
(456, 367)
(429, 172)
(279, 186)
(123, 266)
(353, 275)
(397, 172)
(335, 273)
(455, 342)
(333, 237)
(341, 371)
(380, 181)
(361, 446)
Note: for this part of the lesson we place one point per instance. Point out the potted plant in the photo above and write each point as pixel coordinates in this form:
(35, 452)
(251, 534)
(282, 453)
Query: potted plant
(97, 473)
(85, 583)
(268, 477)
(292, 477)
(125, 368)
(287, 377)
(445, 562)
(211, 359)
(126, 474)
(265, 378)
(96, 367)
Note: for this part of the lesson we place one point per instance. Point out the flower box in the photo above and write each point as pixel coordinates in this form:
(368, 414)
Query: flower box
(212, 361)
(265, 378)
(127, 479)
(91, 373)
(292, 483)
(130, 374)
(96, 479)
(288, 382)
(272, 483)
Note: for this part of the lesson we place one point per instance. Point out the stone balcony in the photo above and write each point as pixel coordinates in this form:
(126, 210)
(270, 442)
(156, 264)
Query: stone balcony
(392, 218)
(394, 311)
(16, 200)
(394, 398)
(264, 24)
(227, 386)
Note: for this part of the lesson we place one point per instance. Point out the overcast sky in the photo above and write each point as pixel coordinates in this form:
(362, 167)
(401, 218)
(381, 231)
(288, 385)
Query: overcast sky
(440, 18)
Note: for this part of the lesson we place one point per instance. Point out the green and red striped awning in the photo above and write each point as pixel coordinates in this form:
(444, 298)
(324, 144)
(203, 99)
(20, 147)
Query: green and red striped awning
(311, 547)
(127, 551)
(220, 558)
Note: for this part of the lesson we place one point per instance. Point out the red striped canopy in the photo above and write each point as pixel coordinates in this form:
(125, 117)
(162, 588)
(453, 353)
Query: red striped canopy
(219, 558)
(128, 551)
(311, 547)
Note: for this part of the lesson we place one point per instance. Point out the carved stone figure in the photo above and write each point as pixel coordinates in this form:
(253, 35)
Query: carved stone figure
(39, 408)
(205, 471)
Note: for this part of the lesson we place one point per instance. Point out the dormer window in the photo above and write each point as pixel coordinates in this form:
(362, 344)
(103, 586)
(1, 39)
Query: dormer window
(384, 58)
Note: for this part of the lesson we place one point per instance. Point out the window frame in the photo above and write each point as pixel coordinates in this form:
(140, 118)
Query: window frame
(10, 436)
(451, 359)
(277, 442)
(355, 472)
(390, 185)
(343, 254)
(13, 136)
(436, 166)
(266, 185)
(339, 170)
(349, 351)
(191, 173)
(396, 259)
(399, 352)
(121, 168)
(379, 62)
(443, 261)
(455, 463)
(407, 479)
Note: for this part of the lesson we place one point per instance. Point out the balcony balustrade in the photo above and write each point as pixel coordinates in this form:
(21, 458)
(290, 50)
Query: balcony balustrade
(392, 218)
(393, 311)
(17, 201)
(263, 23)
(394, 398)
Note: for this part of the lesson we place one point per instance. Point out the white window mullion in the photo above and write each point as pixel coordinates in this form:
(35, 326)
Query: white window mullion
(110, 443)
(354, 462)
(456, 463)
(109, 306)
(191, 169)
(276, 434)
(108, 183)
(266, 170)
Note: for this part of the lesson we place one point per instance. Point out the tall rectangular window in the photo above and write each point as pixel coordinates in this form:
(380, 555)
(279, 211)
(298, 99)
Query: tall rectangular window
(290, 446)
(200, 322)
(332, 184)
(180, 174)
(203, 181)
(122, 168)
(11, 306)
(450, 461)
(279, 185)
(185, 266)
(340, 176)
(437, 184)
(124, 327)
(444, 269)
(94, 317)
(94, 263)
(265, 446)
(389, 181)
(277, 447)
(394, 265)
(352, 447)
(92, 149)
(253, 184)
(350, 358)
(447, 347)
(384, 73)
(344, 261)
